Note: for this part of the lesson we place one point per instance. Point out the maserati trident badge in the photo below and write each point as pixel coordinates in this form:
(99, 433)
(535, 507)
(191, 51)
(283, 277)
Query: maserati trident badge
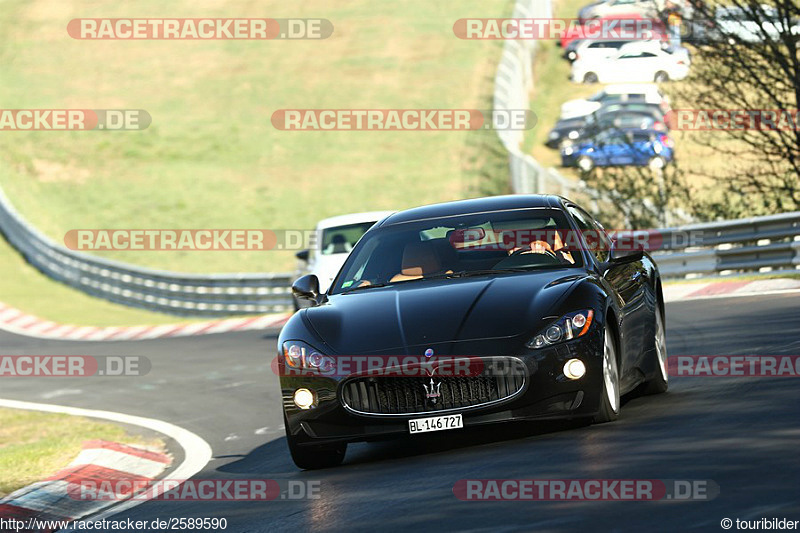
(433, 391)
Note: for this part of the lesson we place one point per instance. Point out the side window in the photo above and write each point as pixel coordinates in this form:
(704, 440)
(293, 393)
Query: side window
(595, 236)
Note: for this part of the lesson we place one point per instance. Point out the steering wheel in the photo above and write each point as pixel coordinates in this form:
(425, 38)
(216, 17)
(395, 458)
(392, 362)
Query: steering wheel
(528, 248)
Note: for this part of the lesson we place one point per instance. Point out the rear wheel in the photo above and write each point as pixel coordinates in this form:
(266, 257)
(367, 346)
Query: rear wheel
(590, 77)
(661, 76)
(585, 163)
(610, 399)
(657, 163)
(660, 383)
(316, 456)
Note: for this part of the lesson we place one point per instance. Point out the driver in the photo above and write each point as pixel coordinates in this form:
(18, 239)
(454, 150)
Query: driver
(552, 244)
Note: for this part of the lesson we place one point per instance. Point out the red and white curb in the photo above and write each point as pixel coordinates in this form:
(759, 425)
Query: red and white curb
(50, 498)
(58, 497)
(725, 289)
(15, 321)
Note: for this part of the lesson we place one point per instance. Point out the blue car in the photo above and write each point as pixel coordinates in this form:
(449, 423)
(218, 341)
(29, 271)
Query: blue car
(619, 148)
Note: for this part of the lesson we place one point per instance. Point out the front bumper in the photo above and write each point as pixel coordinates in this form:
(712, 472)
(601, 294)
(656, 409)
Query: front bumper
(547, 394)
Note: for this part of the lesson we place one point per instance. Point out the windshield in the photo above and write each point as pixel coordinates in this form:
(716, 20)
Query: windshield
(461, 246)
(341, 239)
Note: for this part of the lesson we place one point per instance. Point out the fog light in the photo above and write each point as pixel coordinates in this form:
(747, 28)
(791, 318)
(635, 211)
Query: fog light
(304, 398)
(574, 369)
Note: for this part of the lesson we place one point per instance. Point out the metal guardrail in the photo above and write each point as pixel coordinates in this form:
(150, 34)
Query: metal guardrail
(169, 292)
(769, 243)
(716, 248)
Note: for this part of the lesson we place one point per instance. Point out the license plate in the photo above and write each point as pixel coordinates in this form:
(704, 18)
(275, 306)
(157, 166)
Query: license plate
(435, 423)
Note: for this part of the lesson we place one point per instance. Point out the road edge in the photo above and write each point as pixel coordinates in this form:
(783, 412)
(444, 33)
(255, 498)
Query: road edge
(197, 452)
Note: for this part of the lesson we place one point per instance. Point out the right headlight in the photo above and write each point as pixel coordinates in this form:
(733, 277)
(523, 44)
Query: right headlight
(299, 355)
(568, 327)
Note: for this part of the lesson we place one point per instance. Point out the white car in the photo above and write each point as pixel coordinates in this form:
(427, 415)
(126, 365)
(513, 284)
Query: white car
(635, 62)
(734, 22)
(594, 50)
(644, 93)
(608, 8)
(335, 237)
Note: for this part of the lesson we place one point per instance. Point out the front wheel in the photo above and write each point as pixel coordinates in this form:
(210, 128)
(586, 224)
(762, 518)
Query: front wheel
(610, 399)
(317, 456)
(660, 383)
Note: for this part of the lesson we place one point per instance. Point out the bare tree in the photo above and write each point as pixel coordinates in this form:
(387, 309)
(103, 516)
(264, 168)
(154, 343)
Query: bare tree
(640, 197)
(747, 59)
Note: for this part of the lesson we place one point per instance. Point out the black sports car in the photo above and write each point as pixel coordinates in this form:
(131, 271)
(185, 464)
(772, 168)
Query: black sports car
(550, 318)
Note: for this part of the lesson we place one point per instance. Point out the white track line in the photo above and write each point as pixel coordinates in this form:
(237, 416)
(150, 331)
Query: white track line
(197, 452)
(735, 295)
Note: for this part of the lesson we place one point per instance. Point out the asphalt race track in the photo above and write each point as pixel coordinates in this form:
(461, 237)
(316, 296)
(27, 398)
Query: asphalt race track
(742, 433)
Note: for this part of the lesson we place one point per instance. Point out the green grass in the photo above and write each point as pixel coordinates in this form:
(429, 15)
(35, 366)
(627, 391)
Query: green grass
(211, 158)
(36, 445)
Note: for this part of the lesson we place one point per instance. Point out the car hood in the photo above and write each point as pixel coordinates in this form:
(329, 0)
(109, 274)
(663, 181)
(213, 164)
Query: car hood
(410, 317)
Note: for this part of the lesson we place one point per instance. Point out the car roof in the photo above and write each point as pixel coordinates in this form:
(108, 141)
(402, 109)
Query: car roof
(622, 131)
(352, 218)
(585, 43)
(475, 205)
(640, 46)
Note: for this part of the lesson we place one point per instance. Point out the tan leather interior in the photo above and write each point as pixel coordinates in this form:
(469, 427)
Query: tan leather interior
(422, 259)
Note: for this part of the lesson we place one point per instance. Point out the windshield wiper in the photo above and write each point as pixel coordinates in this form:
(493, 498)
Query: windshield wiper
(370, 286)
(469, 273)
(459, 274)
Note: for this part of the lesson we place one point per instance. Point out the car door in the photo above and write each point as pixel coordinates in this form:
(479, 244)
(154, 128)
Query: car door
(620, 152)
(643, 147)
(628, 67)
(629, 283)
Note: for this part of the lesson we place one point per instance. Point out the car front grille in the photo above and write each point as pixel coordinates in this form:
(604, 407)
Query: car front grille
(390, 395)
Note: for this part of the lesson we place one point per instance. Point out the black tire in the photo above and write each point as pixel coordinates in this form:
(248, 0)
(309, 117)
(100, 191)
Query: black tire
(660, 382)
(661, 76)
(610, 401)
(590, 77)
(316, 456)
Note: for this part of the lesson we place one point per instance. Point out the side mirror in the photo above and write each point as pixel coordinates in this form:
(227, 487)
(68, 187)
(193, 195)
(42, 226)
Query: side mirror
(302, 255)
(626, 254)
(306, 288)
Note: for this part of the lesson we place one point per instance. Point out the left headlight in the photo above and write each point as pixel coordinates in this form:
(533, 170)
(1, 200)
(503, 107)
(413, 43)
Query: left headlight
(299, 355)
(568, 327)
